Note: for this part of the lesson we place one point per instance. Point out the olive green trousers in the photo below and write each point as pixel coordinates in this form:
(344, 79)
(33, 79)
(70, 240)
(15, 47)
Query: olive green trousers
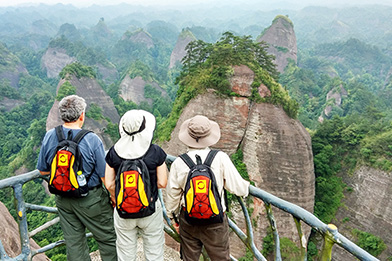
(93, 212)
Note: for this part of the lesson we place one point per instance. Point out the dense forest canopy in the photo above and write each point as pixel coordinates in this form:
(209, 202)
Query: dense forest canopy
(340, 89)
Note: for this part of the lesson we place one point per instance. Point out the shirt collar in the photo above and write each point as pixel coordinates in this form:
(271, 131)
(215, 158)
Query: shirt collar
(193, 149)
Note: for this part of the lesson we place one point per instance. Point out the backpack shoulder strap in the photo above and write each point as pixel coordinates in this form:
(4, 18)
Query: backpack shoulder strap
(59, 133)
(185, 157)
(80, 135)
(210, 157)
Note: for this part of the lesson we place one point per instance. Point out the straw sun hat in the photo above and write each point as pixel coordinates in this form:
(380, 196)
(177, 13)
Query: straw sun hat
(136, 130)
(199, 132)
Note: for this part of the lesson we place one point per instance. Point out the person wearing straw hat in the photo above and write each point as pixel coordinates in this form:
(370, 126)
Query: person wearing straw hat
(136, 130)
(199, 133)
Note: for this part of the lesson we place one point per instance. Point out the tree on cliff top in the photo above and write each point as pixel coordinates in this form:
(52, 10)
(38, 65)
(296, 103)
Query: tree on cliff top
(79, 70)
(229, 50)
(210, 66)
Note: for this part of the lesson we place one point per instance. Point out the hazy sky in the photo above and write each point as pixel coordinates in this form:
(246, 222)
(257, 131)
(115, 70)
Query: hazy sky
(299, 3)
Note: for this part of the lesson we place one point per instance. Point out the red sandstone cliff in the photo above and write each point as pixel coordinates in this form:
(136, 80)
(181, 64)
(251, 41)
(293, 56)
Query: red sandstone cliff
(10, 238)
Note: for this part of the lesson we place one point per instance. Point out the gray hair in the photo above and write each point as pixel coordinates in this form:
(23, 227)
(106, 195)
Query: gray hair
(71, 107)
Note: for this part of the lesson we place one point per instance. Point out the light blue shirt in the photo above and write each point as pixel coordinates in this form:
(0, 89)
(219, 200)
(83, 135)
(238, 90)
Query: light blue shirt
(91, 148)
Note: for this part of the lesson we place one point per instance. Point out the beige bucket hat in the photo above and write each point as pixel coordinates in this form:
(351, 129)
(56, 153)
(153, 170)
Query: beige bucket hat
(136, 130)
(199, 132)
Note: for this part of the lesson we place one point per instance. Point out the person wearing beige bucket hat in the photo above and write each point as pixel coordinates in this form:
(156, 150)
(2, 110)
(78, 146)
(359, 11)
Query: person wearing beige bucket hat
(199, 133)
(136, 129)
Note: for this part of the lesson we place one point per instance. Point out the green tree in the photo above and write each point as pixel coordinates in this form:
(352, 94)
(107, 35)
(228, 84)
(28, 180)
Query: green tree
(65, 89)
(94, 112)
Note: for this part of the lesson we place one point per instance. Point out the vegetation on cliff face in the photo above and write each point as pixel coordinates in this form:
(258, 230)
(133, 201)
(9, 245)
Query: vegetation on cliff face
(7, 59)
(77, 69)
(372, 244)
(209, 66)
(86, 55)
(65, 89)
(285, 18)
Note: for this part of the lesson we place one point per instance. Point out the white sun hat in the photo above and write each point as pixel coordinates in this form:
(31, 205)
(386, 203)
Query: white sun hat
(136, 130)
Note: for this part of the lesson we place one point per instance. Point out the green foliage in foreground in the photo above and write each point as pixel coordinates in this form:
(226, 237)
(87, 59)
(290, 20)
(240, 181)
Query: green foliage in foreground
(209, 66)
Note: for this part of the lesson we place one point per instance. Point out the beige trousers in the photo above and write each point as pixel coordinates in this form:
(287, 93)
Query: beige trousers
(150, 229)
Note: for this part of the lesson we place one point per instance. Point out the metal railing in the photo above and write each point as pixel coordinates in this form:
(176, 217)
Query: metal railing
(329, 232)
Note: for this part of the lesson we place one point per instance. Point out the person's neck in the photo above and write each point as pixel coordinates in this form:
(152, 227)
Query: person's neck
(72, 125)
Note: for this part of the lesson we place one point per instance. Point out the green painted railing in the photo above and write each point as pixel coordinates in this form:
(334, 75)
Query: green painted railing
(329, 232)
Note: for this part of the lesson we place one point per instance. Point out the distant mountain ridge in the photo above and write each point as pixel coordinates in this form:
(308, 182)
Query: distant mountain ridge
(367, 23)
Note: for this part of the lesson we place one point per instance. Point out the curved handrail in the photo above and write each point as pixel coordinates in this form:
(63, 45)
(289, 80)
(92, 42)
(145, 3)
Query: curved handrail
(329, 232)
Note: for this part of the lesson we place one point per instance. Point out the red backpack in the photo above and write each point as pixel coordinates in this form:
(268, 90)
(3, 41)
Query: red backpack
(66, 173)
(202, 200)
(133, 190)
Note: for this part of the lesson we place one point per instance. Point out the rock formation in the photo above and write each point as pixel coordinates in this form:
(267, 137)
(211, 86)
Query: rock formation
(334, 99)
(54, 60)
(139, 36)
(92, 92)
(70, 32)
(133, 89)
(10, 237)
(336, 95)
(11, 67)
(280, 37)
(108, 74)
(179, 51)
(277, 151)
(367, 206)
(7, 104)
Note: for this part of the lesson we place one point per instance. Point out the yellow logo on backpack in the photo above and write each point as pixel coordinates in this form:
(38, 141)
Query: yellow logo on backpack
(130, 180)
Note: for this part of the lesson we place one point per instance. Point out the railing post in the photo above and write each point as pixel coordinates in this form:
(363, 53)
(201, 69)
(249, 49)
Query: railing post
(326, 253)
(302, 238)
(272, 222)
(22, 221)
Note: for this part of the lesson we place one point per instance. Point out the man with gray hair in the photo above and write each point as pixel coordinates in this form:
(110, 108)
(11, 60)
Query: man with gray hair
(92, 211)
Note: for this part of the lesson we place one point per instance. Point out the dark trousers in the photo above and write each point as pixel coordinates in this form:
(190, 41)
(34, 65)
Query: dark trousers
(94, 213)
(214, 238)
